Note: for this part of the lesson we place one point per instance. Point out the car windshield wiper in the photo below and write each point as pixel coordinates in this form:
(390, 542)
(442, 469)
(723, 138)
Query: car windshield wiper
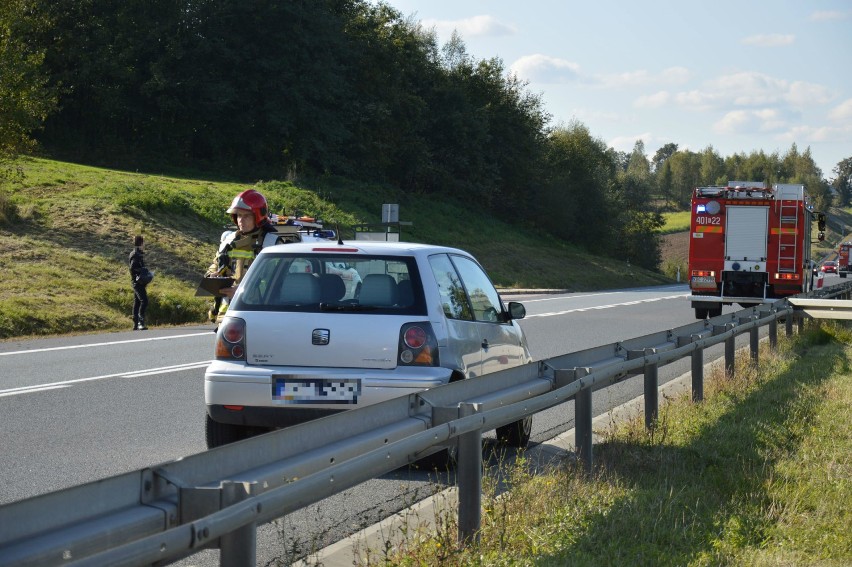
(346, 307)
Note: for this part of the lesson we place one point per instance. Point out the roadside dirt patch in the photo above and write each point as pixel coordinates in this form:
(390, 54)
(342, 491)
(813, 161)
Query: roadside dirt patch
(675, 247)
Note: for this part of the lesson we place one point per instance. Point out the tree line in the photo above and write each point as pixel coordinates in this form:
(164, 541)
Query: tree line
(345, 87)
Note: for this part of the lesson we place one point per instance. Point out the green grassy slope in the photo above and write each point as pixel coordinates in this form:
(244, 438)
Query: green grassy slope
(66, 231)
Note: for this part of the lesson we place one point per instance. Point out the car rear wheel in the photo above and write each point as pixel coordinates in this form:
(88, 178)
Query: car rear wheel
(517, 433)
(219, 434)
(441, 461)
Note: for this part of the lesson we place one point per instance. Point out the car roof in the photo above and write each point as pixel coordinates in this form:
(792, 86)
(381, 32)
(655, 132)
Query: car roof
(362, 247)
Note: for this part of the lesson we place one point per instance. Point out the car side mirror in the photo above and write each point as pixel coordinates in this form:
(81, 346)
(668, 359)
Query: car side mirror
(516, 310)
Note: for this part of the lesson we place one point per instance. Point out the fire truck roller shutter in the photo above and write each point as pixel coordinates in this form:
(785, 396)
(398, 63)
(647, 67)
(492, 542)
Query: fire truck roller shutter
(745, 233)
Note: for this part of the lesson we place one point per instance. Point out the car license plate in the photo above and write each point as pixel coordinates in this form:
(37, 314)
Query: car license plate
(303, 390)
(704, 280)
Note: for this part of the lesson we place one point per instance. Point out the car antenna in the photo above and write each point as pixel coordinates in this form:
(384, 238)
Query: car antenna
(339, 237)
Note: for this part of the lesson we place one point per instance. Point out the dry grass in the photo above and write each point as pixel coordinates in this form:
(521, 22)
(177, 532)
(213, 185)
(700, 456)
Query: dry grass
(757, 474)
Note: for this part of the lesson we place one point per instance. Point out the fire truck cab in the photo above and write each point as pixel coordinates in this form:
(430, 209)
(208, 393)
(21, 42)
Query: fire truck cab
(843, 267)
(749, 244)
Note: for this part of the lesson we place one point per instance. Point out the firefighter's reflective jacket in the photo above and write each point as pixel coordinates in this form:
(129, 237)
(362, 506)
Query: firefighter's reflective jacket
(236, 253)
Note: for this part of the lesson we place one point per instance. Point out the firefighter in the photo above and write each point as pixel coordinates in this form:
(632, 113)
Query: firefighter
(238, 248)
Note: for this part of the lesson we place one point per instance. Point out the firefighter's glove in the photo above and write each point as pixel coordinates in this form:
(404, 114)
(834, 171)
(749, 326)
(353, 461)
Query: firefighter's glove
(223, 262)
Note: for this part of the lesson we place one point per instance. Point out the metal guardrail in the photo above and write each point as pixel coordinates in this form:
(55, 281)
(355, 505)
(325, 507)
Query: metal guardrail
(161, 514)
(826, 303)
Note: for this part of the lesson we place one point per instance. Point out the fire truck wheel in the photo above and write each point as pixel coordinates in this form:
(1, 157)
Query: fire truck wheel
(715, 312)
(700, 313)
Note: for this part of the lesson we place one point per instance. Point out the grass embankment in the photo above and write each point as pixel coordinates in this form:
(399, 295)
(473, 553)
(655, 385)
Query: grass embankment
(676, 222)
(760, 473)
(66, 231)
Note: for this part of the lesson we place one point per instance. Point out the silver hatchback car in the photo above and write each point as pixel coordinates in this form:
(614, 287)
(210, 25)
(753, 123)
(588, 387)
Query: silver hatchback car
(297, 343)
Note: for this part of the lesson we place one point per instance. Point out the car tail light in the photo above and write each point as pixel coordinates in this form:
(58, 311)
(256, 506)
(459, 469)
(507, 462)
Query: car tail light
(415, 337)
(231, 340)
(417, 345)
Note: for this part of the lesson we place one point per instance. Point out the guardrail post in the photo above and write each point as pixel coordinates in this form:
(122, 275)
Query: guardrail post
(730, 356)
(583, 418)
(469, 462)
(697, 373)
(239, 547)
(788, 324)
(773, 333)
(697, 357)
(730, 345)
(754, 344)
(652, 402)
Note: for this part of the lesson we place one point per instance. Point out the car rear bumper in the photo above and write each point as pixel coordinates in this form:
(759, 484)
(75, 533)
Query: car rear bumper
(227, 385)
(268, 417)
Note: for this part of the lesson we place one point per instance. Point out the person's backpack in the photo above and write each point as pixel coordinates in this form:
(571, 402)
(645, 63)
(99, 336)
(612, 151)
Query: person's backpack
(145, 276)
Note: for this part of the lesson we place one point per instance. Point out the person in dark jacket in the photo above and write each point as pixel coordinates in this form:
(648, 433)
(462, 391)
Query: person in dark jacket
(140, 293)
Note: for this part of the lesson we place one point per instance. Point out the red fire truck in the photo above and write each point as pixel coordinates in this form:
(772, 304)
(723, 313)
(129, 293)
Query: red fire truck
(843, 267)
(749, 244)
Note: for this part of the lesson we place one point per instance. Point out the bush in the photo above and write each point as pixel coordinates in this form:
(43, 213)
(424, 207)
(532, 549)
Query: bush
(671, 268)
(8, 209)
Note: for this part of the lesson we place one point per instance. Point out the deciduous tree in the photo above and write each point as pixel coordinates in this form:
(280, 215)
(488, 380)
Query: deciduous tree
(842, 183)
(25, 98)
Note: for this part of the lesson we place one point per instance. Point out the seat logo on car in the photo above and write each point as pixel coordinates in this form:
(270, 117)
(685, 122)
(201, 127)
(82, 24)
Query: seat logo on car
(320, 337)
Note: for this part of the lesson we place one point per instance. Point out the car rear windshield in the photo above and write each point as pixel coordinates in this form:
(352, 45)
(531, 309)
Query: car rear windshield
(332, 283)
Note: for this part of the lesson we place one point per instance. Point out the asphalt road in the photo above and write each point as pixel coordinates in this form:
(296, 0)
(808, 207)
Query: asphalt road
(82, 408)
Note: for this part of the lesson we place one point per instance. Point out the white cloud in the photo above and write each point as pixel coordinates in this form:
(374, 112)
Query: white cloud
(700, 100)
(734, 122)
(656, 100)
(814, 134)
(842, 112)
(626, 79)
(801, 93)
(477, 26)
(828, 16)
(675, 75)
(545, 69)
(641, 77)
(770, 120)
(749, 89)
(626, 143)
(595, 115)
(750, 121)
(769, 40)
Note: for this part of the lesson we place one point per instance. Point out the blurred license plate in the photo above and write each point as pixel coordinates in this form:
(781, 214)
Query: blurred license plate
(704, 280)
(301, 390)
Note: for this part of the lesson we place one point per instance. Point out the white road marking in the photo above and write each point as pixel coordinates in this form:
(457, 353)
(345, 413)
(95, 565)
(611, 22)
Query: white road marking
(37, 350)
(597, 307)
(569, 297)
(130, 374)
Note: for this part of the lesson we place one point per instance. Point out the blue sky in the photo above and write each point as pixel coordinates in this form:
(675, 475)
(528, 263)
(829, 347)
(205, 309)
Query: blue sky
(741, 76)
